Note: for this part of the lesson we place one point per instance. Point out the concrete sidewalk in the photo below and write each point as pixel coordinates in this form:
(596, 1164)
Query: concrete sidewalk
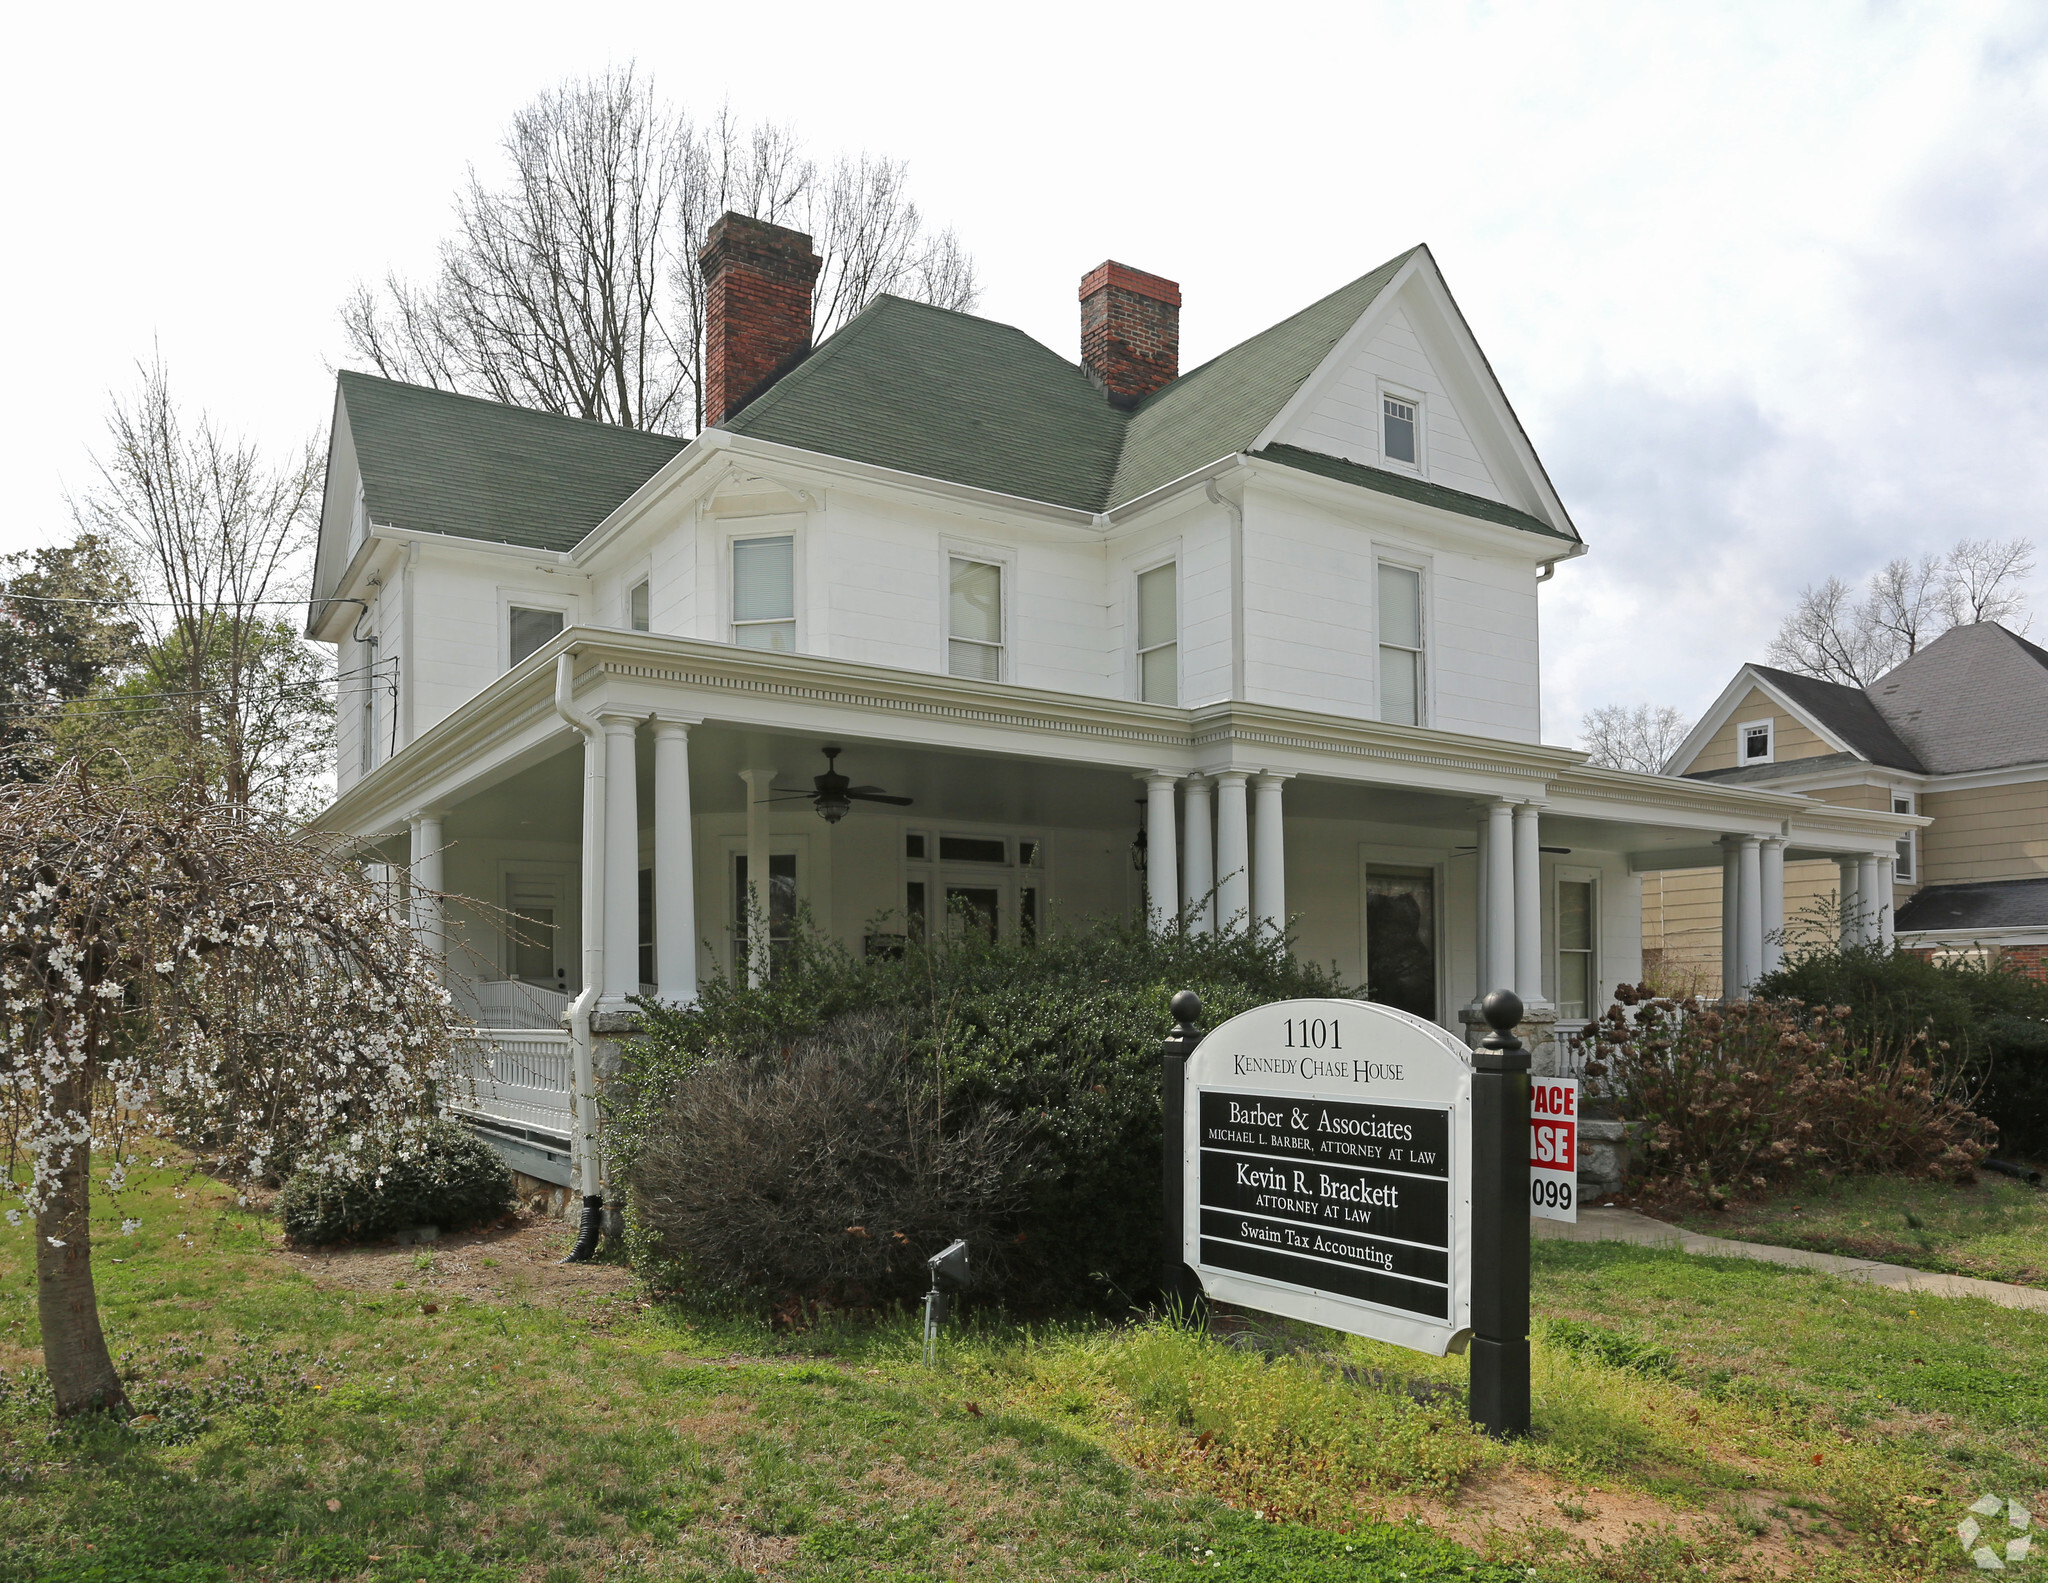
(1625, 1225)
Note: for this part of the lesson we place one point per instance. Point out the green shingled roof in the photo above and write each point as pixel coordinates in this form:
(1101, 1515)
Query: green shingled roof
(435, 462)
(902, 385)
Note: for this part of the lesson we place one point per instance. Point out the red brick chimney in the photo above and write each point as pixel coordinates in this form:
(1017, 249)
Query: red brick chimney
(757, 308)
(1130, 331)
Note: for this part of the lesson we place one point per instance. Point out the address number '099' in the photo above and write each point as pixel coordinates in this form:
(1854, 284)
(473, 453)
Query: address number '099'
(1549, 1193)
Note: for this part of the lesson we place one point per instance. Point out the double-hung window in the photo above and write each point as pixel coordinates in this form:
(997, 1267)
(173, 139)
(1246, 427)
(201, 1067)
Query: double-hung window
(1401, 675)
(1902, 865)
(531, 630)
(764, 593)
(638, 606)
(974, 620)
(1398, 430)
(1577, 976)
(1159, 635)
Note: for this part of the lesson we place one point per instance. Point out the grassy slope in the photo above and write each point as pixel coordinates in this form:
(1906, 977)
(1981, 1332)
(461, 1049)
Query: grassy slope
(1995, 1229)
(600, 1439)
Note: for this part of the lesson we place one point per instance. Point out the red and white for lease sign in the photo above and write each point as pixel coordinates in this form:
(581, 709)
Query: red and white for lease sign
(1554, 1147)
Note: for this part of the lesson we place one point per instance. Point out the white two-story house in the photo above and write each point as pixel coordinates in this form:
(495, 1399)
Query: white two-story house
(1276, 615)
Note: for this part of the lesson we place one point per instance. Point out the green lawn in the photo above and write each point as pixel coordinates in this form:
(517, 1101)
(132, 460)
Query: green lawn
(1695, 1420)
(1995, 1228)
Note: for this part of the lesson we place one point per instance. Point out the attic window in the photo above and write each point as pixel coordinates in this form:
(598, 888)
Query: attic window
(1758, 742)
(1398, 427)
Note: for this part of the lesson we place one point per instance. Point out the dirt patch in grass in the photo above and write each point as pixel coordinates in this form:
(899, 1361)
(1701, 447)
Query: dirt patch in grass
(517, 1262)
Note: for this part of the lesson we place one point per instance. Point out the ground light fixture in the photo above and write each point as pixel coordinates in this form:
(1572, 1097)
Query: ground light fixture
(948, 1266)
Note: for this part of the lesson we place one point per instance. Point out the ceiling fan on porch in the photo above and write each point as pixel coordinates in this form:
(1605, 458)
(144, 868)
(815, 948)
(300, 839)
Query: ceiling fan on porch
(836, 795)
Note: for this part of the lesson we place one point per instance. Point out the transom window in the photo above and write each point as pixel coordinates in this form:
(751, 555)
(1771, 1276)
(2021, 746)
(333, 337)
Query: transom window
(532, 630)
(1398, 423)
(764, 593)
(1159, 635)
(974, 620)
(1401, 677)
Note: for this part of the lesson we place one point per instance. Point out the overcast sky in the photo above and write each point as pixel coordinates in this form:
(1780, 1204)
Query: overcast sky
(1768, 284)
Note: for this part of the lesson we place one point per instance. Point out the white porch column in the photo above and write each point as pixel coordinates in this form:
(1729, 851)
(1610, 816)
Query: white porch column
(1731, 917)
(1233, 853)
(1871, 901)
(675, 871)
(1162, 853)
(1269, 857)
(1886, 879)
(1198, 865)
(427, 886)
(1773, 872)
(1847, 867)
(1528, 906)
(621, 864)
(754, 906)
(1482, 885)
(1749, 943)
(1500, 896)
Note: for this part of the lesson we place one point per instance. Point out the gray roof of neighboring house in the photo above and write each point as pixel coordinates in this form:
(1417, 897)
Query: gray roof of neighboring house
(1986, 904)
(436, 462)
(1785, 769)
(1976, 698)
(1847, 713)
(901, 385)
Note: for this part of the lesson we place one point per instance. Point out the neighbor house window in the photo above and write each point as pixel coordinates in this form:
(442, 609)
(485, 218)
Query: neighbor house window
(531, 630)
(637, 606)
(1902, 865)
(1400, 644)
(764, 593)
(1397, 421)
(1758, 739)
(974, 624)
(1576, 974)
(1159, 635)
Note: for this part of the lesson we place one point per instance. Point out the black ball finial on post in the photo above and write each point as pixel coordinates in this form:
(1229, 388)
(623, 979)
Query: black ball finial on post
(1500, 1221)
(1179, 1285)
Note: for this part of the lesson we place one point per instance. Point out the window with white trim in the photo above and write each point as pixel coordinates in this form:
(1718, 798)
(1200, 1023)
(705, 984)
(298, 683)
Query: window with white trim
(1578, 919)
(531, 630)
(1902, 865)
(639, 605)
(1756, 742)
(1400, 431)
(1159, 635)
(974, 620)
(764, 593)
(1401, 671)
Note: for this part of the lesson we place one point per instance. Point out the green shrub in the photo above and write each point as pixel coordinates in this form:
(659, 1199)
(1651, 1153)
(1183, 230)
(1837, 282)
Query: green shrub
(436, 1173)
(1062, 1033)
(1985, 1021)
(826, 1169)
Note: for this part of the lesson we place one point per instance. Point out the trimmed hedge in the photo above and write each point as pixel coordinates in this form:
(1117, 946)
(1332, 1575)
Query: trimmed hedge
(1062, 1034)
(441, 1174)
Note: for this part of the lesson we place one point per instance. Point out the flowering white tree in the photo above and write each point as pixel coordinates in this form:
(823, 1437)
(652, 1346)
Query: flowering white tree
(178, 969)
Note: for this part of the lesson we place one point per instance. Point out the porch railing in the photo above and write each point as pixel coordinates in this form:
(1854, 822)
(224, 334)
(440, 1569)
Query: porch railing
(510, 1003)
(514, 1076)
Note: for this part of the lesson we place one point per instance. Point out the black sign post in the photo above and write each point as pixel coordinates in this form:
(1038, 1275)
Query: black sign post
(1180, 1287)
(1500, 1222)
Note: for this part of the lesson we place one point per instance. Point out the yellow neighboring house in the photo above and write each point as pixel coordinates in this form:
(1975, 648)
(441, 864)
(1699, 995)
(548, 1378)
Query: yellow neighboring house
(1958, 734)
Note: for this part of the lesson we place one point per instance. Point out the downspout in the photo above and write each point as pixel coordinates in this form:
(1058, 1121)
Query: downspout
(1236, 510)
(409, 666)
(584, 1164)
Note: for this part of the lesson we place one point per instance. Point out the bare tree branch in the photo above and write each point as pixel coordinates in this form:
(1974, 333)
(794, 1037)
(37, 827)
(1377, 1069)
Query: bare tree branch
(1641, 738)
(1982, 581)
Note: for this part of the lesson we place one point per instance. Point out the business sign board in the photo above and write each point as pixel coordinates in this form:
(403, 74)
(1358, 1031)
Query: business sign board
(1554, 1148)
(1327, 1170)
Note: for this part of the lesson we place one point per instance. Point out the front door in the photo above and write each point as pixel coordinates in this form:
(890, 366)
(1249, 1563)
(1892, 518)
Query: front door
(1400, 938)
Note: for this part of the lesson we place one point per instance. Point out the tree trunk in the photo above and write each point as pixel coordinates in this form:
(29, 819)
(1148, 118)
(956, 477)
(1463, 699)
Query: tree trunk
(74, 1347)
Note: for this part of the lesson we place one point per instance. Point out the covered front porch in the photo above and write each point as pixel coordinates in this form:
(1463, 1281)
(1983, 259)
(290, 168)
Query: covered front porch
(602, 817)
